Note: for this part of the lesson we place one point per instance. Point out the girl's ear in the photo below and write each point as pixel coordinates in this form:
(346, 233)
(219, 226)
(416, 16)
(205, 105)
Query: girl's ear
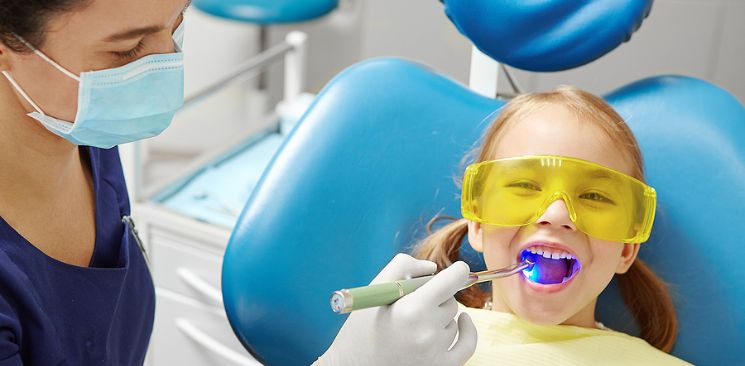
(628, 256)
(476, 236)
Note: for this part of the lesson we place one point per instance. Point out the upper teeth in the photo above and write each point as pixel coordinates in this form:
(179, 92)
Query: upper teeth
(551, 253)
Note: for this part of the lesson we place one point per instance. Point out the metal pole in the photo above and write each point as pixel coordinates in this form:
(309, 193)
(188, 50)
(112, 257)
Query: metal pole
(254, 64)
(484, 75)
(295, 65)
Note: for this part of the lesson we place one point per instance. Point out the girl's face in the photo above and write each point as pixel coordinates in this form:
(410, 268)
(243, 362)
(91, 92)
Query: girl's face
(102, 35)
(554, 130)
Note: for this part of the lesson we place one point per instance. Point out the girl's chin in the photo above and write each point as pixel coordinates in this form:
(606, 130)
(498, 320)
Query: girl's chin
(547, 319)
(548, 313)
(541, 309)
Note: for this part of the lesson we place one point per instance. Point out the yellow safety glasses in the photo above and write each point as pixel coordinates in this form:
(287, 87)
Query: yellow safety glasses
(603, 203)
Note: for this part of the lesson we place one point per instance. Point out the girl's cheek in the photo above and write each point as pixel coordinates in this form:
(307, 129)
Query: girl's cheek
(498, 244)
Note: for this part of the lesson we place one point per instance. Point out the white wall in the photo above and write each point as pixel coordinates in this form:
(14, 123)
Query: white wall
(212, 47)
(701, 38)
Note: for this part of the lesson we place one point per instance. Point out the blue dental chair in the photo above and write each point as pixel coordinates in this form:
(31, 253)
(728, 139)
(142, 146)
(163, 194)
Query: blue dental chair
(377, 155)
(267, 11)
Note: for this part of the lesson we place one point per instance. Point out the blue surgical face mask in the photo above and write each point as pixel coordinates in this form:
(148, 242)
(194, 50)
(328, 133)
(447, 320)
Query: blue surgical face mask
(119, 105)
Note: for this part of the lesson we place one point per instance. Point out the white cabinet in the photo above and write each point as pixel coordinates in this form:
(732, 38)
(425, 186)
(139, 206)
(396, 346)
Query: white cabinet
(186, 254)
(191, 327)
(185, 226)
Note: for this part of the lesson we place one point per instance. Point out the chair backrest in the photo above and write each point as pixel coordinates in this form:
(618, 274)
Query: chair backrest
(691, 135)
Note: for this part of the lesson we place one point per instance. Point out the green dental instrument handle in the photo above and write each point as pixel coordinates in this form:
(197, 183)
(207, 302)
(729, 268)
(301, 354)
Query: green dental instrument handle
(347, 300)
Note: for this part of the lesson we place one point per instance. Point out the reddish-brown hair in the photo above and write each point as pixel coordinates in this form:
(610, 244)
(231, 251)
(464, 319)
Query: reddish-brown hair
(645, 294)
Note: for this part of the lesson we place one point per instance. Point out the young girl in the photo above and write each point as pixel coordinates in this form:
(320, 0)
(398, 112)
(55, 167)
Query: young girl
(559, 182)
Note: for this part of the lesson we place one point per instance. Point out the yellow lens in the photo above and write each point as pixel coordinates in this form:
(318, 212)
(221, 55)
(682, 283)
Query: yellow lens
(602, 202)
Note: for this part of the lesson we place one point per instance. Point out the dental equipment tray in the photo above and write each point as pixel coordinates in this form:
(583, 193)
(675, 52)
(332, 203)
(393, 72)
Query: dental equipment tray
(217, 192)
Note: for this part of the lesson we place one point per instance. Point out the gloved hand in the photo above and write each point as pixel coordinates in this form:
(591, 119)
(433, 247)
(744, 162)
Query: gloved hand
(418, 329)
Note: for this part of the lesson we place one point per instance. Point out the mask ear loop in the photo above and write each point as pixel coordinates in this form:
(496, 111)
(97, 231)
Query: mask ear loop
(22, 92)
(47, 59)
(44, 57)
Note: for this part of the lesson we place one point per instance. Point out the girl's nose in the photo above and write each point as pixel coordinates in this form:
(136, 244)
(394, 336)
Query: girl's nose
(557, 215)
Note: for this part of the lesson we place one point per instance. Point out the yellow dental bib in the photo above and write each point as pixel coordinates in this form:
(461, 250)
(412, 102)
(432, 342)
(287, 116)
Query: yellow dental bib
(505, 339)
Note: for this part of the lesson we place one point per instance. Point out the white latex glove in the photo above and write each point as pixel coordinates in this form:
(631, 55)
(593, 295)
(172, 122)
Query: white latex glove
(418, 329)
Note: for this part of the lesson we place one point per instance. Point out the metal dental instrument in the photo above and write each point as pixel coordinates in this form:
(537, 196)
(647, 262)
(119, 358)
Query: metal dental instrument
(348, 300)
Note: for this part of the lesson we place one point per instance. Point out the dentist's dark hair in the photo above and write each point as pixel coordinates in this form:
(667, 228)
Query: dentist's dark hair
(646, 295)
(29, 18)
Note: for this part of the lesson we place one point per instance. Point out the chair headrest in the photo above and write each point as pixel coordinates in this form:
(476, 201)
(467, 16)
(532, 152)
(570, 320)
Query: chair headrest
(267, 11)
(547, 35)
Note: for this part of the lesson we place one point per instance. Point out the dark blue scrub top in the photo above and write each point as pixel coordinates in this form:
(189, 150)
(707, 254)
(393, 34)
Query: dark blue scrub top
(52, 313)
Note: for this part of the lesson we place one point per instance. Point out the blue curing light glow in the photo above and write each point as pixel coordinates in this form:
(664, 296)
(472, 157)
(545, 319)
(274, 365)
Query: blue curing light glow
(544, 270)
(531, 273)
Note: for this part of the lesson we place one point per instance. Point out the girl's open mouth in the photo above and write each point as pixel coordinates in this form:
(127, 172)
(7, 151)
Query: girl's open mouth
(552, 265)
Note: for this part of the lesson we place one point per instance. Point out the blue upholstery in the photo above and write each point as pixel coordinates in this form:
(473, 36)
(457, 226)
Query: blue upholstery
(691, 135)
(547, 35)
(267, 11)
(370, 163)
(376, 156)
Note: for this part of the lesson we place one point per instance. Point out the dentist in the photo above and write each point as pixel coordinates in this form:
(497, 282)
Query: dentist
(79, 78)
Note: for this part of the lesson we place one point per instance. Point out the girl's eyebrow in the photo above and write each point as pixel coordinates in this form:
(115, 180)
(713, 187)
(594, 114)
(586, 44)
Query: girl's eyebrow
(600, 174)
(138, 32)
